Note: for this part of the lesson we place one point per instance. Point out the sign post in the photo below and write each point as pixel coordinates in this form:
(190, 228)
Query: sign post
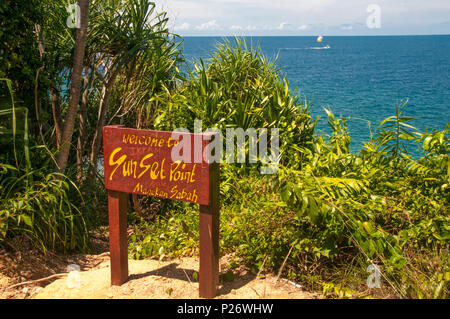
(141, 162)
(118, 245)
(209, 237)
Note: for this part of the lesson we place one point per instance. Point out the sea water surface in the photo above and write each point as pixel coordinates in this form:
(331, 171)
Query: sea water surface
(359, 78)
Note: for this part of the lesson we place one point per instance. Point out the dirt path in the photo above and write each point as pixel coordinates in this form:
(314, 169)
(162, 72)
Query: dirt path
(167, 279)
(149, 278)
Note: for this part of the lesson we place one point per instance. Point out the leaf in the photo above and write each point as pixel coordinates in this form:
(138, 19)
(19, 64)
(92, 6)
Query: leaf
(27, 220)
(314, 212)
(407, 125)
(387, 120)
(406, 118)
(406, 137)
(286, 193)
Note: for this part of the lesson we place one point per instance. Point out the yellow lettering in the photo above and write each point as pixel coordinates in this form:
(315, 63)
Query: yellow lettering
(194, 196)
(162, 169)
(191, 179)
(169, 144)
(173, 170)
(130, 168)
(154, 171)
(146, 166)
(173, 191)
(137, 188)
(118, 162)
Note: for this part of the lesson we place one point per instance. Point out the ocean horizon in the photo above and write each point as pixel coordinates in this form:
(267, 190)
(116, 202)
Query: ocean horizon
(361, 78)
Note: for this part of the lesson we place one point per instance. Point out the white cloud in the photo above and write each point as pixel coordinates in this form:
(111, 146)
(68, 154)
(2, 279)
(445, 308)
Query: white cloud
(184, 27)
(210, 25)
(240, 28)
(251, 28)
(346, 27)
(282, 25)
(336, 16)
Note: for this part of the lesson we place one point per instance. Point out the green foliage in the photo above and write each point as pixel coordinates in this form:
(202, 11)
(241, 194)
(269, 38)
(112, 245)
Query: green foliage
(43, 211)
(35, 203)
(128, 41)
(394, 130)
(19, 57)
(239, 88)
(340, 140)
(328, 221)
(170, 235)
(376, 202)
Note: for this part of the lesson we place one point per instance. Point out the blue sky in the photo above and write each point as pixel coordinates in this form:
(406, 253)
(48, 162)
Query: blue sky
(311, 17)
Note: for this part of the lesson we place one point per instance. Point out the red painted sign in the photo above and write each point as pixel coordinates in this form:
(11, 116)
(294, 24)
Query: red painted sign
(141, 162)
(166, 165)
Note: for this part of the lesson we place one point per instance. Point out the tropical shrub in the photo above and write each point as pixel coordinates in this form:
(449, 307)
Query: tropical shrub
(326, 223)
(34, 203)
(239, 88)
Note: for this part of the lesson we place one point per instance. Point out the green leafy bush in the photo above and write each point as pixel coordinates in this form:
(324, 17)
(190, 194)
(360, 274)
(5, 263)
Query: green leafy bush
(33, 202)
(239, 88)
(328, 221)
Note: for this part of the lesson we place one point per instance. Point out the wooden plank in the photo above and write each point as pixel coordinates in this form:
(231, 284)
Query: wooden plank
(209, 238)
(118, 245)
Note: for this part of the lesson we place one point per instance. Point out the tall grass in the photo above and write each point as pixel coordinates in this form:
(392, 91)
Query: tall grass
(35, 202)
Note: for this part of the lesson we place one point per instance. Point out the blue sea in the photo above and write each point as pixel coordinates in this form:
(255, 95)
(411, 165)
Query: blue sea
(360, 78)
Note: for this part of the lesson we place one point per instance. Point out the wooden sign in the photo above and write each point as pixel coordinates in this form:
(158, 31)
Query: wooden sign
(143, 162)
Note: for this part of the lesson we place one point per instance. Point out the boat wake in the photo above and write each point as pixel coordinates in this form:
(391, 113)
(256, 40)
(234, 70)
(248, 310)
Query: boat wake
(309, 48)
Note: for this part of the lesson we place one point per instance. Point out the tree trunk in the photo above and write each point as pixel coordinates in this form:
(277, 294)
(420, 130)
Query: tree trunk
(97, 141)
(74, 97)
(57, 119)
(37, 105)
(82, 122)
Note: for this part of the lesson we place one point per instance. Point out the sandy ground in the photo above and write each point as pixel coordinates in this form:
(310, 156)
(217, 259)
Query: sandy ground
(166, 279)
(150, 278)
